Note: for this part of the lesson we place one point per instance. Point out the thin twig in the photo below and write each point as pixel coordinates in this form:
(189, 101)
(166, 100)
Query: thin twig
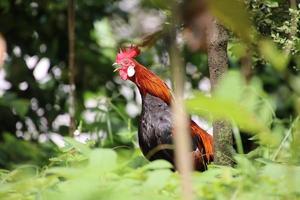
(238, 139)
(109, 129)
(287, 135)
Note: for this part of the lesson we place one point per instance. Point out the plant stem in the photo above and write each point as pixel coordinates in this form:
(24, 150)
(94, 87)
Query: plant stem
(182, 140)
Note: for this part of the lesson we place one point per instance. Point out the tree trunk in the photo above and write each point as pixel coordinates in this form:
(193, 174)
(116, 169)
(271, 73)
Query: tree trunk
(71, 63)
(217, 38)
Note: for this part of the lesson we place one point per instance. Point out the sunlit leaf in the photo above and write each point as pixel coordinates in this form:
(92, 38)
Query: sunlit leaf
(230, 88)
(158, 164)
(158, 179)
(20, 106)
(288, 177)
(103, 33)
(233, 14)
(78, 146)
(219, 108)
(274, 56)
(238, 49)
(103, 160)
(238, 102)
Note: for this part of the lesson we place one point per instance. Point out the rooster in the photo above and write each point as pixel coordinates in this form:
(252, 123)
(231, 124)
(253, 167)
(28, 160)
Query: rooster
(155, 125)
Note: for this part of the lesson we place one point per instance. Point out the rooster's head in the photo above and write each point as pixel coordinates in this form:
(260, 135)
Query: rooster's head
(125, 61)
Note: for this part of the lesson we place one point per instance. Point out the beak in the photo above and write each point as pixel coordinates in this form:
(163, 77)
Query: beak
(118, 68)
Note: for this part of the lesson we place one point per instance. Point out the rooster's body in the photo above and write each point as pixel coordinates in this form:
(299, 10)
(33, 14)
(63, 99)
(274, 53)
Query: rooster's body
(155, 127)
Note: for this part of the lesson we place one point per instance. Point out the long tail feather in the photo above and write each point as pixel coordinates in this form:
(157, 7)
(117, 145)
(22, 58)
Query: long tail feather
(206, 138)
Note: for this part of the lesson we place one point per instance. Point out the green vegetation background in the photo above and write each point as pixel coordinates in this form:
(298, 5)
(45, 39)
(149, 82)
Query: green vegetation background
(110, 165)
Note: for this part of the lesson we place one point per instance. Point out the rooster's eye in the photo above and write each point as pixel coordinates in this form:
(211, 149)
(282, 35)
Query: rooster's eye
(130, 71)
(125, 62)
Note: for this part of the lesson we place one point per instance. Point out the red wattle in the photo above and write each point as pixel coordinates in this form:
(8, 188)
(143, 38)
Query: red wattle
(123, 74)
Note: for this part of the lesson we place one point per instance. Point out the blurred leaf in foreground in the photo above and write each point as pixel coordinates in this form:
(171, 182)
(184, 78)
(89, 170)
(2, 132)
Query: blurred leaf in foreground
(235, 101)
(273, 55)
(233, 14)
(20, 106)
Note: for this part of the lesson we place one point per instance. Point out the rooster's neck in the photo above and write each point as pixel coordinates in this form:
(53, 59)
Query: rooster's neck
(150, 83)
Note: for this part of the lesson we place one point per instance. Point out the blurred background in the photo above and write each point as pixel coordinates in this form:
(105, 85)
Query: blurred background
(46, 153)
(34, 82)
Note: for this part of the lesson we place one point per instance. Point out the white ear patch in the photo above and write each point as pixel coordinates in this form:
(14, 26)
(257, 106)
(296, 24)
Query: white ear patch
(130, 71)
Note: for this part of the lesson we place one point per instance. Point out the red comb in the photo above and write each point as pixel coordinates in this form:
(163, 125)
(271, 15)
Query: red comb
(128, 52)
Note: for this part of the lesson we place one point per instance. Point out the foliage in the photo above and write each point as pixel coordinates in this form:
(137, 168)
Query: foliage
(260, 99)
(80, 172)
(39, 38)
(14, 151)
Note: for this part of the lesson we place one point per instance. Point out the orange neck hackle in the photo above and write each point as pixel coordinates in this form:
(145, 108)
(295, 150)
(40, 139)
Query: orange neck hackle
(150, 83)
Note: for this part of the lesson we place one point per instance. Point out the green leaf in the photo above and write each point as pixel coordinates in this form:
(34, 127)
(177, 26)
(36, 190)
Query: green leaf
(220, 108)
(158, 164)
(234, 83)
(273, 55)
(82, 148)
(233, 14)
(238, 49)
(103, 159)
(21, 106)
(271, 4)
(158, 179)
(287, 177)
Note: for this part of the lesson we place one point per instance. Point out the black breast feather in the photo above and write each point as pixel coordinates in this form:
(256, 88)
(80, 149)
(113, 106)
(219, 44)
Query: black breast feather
(155, 128)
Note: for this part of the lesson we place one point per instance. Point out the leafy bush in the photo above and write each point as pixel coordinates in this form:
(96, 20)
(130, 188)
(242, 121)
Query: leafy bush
(266, 105)
(80, 172)
(15, 151)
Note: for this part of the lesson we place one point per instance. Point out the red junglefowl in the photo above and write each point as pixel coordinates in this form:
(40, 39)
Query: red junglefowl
(155, 126)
